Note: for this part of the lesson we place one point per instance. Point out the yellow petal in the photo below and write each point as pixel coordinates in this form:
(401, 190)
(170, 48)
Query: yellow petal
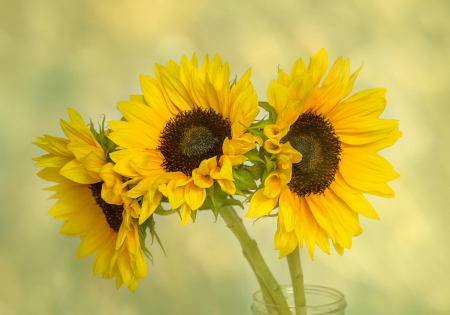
(75, 171)
(148, 164)
(272, 146)
(289, 208)
(261, 205)
(357, 202)
(297, 69)
(194, 196)
(93, 164)
(283, 78)
(290, 113)
(278, 95)
(142, 115)
(186, 214)
(108, 175)
(273, 185)
(176, 91)
(76, 129)
(369, 103)
(318, 65)
(365, 165)
(154, 95)
(322, 240)
(226, 171)
(227, 186)
(133, 138)
(302, 88)
(203, 181)
(50, 160)
(54, 145)
(175, 190)
(211, 95)
(273, 131)
(310, 226)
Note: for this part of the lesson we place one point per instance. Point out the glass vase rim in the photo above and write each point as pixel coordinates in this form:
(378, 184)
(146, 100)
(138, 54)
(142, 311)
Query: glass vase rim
(339, 295)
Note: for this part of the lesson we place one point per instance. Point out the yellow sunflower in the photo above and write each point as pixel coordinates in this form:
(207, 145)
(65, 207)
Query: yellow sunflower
(92, 202)
(324, 147)
(184, 132)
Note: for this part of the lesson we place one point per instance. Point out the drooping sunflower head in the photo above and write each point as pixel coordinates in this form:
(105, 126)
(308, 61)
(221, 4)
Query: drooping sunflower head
(323, 145)
(184, 133)
(92, 200)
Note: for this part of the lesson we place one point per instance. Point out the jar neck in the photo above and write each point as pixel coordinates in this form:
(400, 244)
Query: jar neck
(319, 301)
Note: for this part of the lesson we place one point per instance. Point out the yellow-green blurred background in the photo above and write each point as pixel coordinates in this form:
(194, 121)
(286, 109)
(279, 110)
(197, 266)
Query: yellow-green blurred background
(87, 55)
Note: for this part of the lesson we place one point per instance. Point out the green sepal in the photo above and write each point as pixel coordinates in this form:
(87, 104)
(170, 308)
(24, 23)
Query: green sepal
(217, 198)
(233, 82)
(256, 132)
(107, 145)
(270, 165)
(193, 216)
(261, 124)
(164, 199)
(252, 157)
(151, 227)
(142, 235)
(243, 179)
(240, 192)
(257, 170)
(93, 131)
(264, 177)
(271, 110)
(161, 211)
(233, 202)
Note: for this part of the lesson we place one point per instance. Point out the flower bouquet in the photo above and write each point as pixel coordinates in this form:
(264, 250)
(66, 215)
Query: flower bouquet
(191, 143)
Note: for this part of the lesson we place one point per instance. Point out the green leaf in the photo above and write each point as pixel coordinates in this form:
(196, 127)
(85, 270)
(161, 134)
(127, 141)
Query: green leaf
(270, 165)
(257, 170)
(164, 199)
(160, 244)
(271, 110)
(253, 157)
(240, 193)
(264, 177)
(94, 132)
(193, 216)
(233, 82)
(217, 196)
(233, 202)
(142, 237)
(259, 133)
(161, 211)
(151, 226)
(245, 177)
(261, 124)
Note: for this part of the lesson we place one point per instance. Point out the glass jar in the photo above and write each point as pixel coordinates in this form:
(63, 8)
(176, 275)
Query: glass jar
(319, 301)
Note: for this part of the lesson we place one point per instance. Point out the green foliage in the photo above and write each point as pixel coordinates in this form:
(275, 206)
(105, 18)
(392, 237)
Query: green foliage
(216, 199)
(271, 110)
(243, 179)
(107, 145)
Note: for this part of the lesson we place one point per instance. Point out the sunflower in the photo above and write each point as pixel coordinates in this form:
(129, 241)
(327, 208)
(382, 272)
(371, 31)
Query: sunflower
(184, 132)
(92, 202)
(324, 148)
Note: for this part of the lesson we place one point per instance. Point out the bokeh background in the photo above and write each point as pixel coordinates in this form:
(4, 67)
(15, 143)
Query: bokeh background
(87, 55)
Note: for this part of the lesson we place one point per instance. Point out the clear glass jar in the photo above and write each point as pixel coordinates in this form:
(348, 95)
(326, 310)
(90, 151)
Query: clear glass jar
(319, 301)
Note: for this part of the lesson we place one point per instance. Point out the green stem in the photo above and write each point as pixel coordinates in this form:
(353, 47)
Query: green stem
(265, 292)
(234, 223)
(295, 269)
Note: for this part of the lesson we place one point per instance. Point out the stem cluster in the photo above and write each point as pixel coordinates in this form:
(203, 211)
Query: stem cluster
(271, 290)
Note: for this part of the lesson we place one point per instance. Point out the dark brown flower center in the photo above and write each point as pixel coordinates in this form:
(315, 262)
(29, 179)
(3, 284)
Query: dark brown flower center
(314, 137)
(113, 213)
(191, 137)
